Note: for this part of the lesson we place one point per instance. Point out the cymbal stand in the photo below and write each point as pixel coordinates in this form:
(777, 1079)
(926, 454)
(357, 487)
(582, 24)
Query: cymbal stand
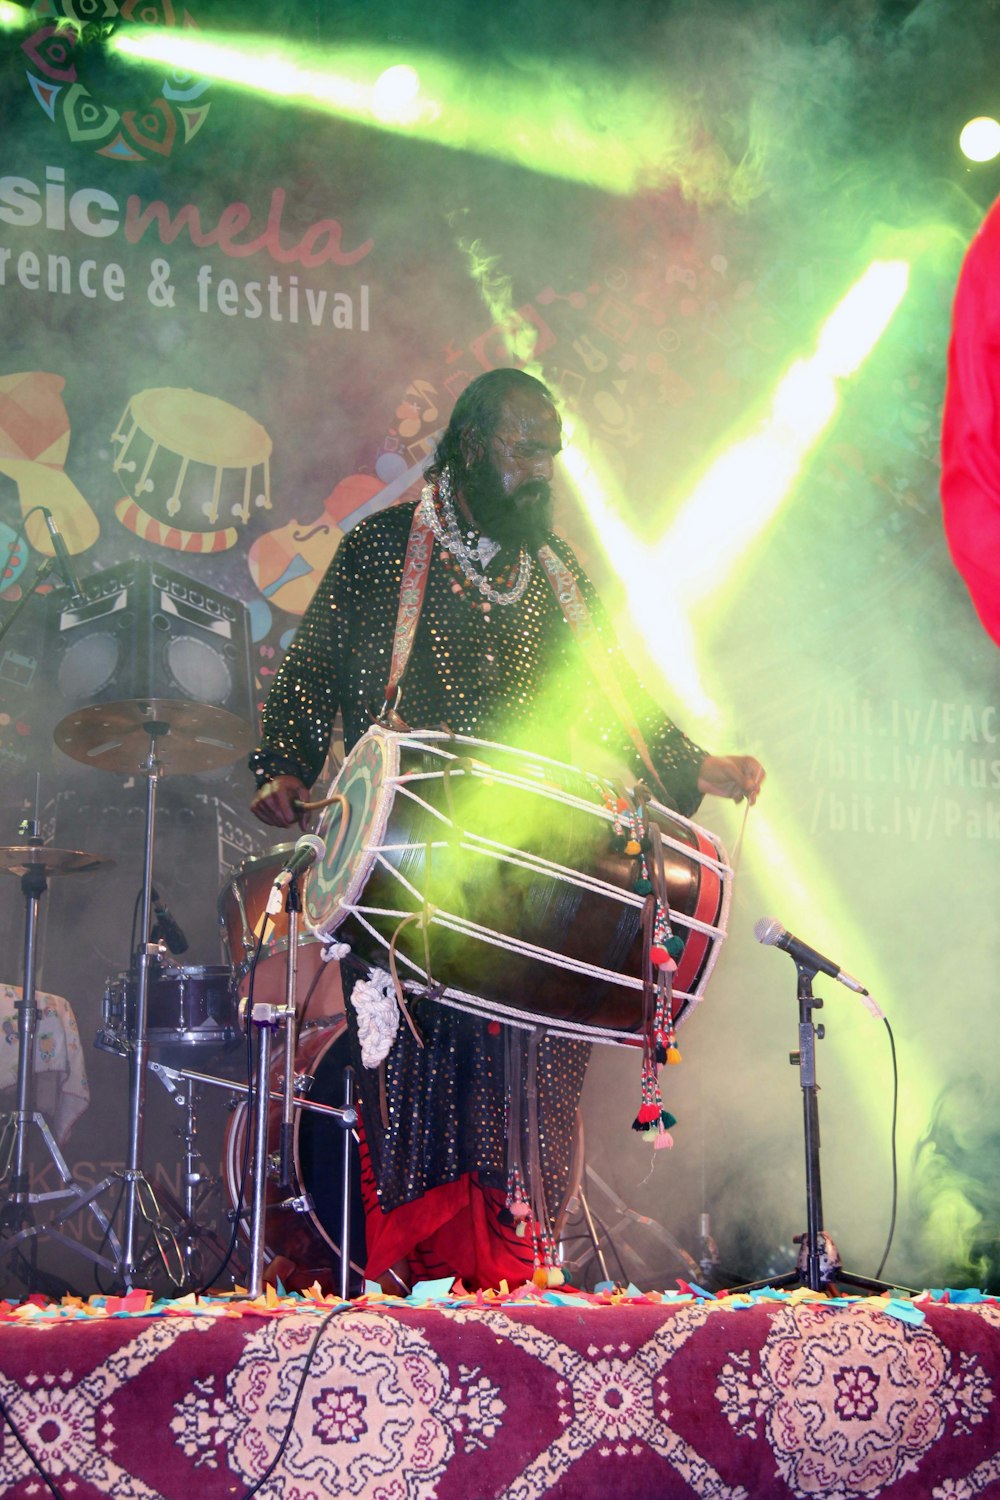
(16, 1218)
(133, 1177)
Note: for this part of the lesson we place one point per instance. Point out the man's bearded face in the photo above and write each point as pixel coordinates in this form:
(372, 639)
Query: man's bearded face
(507, 484)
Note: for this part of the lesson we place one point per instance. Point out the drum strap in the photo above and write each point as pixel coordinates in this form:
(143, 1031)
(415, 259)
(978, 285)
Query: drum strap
(416, 566)
(413, 588)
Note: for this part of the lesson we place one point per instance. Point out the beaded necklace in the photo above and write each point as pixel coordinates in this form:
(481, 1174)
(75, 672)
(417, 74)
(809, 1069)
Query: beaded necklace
(443, 521)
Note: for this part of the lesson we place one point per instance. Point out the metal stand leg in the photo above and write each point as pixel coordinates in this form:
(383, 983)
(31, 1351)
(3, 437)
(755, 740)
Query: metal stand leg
(345, 1203)
(198, 1183)
(17, 1222)
(139, 1053)
(263, 1023)
(17, 1211)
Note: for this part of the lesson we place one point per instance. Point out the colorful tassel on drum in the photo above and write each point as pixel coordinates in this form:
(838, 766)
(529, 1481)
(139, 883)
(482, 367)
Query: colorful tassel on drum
(653, 1122)
(516, 1212)
(547, 1272)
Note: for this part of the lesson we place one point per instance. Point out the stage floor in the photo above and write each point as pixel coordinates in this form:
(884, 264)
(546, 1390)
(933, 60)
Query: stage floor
(553, 1394)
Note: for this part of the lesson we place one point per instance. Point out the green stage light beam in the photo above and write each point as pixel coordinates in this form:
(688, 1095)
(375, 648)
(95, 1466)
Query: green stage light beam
(15, 17)
(262, 67)
(745, 487)
(583, 467)
(661, 616)
(537, 122)
(742, 490)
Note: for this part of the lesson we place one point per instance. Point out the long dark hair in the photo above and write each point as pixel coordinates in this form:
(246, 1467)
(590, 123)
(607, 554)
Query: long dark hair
(477, 410)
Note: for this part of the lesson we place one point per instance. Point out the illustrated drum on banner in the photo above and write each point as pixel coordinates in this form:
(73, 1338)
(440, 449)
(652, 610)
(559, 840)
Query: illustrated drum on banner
(497, 874)
(187, 463)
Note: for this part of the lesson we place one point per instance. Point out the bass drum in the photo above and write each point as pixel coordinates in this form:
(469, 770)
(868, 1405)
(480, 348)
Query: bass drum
(303, 1246)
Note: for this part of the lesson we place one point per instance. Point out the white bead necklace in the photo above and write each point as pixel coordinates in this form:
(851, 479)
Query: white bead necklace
(444, 524)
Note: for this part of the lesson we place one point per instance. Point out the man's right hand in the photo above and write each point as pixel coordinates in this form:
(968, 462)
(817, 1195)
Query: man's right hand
(279, 802)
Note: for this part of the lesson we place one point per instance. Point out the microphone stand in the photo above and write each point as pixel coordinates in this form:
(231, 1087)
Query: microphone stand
(819, 1265)
(266, 1018)
(293, 906)
(45, 567)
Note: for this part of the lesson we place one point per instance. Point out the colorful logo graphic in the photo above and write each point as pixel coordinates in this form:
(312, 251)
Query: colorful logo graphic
(100, 101)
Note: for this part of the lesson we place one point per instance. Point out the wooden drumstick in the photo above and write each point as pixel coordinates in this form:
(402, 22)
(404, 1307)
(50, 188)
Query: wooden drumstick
(345, 817)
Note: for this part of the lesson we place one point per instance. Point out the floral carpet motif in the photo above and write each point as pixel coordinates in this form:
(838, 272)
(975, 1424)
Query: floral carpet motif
(731, 1400)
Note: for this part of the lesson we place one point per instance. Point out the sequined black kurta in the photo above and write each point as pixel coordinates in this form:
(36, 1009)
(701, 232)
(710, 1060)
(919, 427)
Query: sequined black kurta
(514, 674)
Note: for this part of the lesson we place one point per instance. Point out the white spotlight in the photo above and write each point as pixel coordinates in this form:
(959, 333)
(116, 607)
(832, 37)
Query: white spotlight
(979, 140)
(395, 95)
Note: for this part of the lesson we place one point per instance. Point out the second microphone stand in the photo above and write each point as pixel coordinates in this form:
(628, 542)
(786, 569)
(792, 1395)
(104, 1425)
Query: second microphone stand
(265, 1018)
(818, 1263)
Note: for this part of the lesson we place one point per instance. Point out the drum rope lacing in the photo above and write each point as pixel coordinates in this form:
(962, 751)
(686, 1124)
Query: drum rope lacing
(501, 777)
(475, 843)
(438, 756)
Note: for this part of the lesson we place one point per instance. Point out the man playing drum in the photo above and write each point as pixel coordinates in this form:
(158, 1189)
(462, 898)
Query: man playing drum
(464, 610)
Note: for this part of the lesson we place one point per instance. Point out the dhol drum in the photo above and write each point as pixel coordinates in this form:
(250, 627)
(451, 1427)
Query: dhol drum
(303, 1243)
(241, 906)
(187, 1008)
(530, 910)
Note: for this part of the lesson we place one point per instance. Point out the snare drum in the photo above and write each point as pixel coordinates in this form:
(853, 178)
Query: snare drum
(531, 910)
(241, 906)
(191, 1007)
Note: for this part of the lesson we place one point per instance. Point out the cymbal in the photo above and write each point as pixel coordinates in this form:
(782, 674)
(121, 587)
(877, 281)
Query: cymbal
(17, 859)
(189, 736)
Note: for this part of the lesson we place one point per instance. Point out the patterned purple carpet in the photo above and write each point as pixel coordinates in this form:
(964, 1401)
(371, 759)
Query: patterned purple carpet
(635, 1401)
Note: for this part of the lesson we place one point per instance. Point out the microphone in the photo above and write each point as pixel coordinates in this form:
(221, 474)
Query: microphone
(307, 851)
(167, 926)
(770, 932)
(65, 566)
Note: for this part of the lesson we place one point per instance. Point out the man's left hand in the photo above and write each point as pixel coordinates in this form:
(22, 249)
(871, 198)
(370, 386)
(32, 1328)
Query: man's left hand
(735, 776)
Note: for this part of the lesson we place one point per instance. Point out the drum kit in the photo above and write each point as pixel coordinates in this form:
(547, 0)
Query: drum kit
(476, 872)
(159, 1013)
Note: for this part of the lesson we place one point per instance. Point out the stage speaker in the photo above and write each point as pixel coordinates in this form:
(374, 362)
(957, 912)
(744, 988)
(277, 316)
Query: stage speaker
(145, 631)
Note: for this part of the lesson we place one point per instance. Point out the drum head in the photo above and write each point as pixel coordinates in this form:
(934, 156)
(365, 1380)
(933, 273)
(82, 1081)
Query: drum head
(338, 879)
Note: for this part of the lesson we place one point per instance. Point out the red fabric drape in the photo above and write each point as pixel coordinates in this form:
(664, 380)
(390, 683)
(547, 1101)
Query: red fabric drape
(970, 439)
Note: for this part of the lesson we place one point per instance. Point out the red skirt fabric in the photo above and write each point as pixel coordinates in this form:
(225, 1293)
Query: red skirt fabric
(452, 1230)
